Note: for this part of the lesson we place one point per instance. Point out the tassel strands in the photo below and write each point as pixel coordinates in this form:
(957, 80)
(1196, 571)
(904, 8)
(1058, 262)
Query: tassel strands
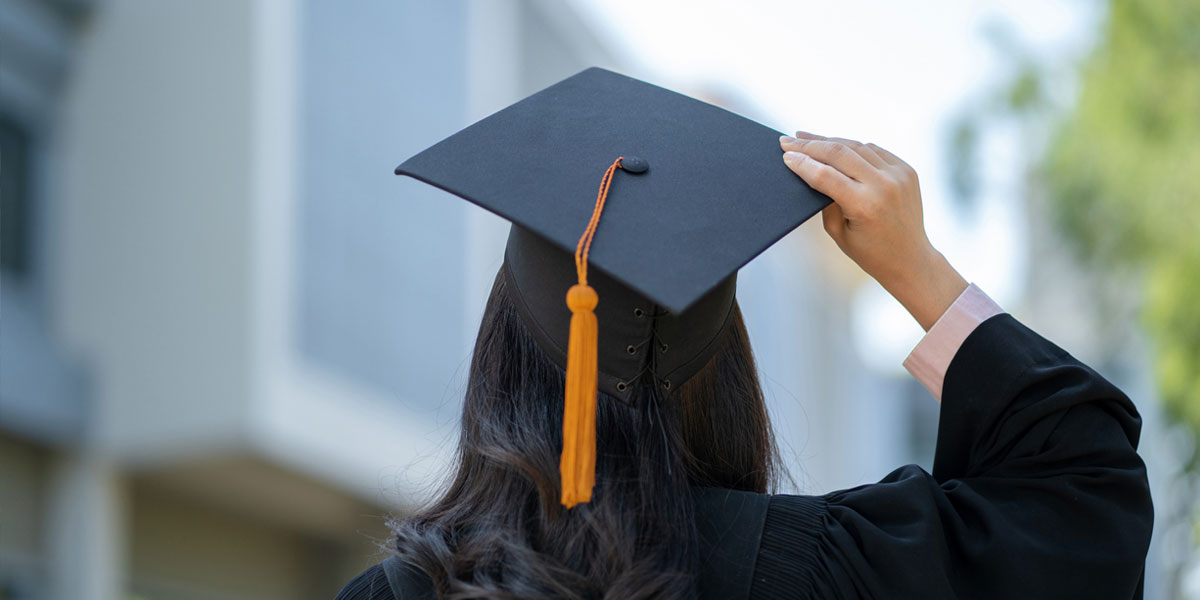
(578, 462)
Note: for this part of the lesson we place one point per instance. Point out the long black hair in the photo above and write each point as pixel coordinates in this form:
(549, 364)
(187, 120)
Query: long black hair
(498, 531)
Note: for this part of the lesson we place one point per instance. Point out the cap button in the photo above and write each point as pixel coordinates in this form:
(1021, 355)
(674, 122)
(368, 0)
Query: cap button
(634, 164)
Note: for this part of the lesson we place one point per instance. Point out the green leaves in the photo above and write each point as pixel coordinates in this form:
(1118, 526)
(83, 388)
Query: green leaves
(1123, 172)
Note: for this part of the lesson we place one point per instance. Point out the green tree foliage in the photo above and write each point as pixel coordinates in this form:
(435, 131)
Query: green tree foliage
(1123, 172)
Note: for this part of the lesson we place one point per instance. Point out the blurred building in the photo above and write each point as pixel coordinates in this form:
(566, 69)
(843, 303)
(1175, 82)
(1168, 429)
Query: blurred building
(233, 342)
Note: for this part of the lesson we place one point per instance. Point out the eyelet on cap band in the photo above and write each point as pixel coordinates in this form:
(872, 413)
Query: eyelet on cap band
(621, 386)
(631, 349)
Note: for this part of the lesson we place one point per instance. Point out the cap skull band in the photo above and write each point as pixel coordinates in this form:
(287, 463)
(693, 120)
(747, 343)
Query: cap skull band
(699, 192)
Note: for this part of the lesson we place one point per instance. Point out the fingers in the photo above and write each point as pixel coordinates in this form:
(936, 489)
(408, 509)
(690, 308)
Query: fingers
(887, 156)
(877, 155)
(822, 177)
(835, 154)
(867, 151)
(849, 172)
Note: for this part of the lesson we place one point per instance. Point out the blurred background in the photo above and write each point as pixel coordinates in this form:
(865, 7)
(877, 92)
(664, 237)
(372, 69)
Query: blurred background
(232, 343)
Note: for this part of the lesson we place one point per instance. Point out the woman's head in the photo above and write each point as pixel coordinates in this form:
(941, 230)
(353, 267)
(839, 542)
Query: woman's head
(499, 530)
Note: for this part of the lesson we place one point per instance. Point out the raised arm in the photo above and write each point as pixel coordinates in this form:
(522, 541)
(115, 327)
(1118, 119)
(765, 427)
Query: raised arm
(1037, 490)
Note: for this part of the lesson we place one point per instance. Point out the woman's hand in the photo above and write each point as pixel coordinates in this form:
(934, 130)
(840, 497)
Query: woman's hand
(876, 219)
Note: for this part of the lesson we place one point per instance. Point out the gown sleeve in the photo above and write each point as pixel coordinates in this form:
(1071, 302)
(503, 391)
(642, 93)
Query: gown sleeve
(1037, 491)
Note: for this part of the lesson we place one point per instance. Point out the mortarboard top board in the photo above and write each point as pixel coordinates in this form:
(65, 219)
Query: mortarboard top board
(689, 193)
(715, 194)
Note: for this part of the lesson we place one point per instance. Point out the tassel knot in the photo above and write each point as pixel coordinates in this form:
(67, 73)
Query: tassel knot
(582, 298)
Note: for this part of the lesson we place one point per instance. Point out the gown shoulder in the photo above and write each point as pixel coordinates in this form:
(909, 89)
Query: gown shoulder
(371, 584)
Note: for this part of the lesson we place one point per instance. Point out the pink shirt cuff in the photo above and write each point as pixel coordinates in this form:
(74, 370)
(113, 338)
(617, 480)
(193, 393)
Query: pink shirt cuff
(930, 359)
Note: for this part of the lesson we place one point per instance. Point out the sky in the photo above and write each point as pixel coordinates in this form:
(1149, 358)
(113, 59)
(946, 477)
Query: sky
(893, 73)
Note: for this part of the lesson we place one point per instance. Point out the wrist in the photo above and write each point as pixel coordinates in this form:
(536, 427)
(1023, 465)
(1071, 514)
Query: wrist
(927, 288)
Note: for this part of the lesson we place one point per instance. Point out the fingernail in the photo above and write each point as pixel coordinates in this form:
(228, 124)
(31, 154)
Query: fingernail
(794, 156)
(786, 139)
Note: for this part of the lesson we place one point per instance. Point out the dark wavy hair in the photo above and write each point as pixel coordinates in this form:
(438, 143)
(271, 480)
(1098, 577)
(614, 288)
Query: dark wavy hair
(499, 531)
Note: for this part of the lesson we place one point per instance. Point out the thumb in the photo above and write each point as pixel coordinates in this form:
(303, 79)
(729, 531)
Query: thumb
(834, 221)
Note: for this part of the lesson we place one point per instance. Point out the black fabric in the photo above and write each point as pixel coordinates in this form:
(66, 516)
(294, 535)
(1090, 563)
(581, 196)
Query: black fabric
(792, 548)
(1037, 491)
(636, 337)
(406, 581)
(715, 194)
(371, 584)
(730, 525)
(391, 579)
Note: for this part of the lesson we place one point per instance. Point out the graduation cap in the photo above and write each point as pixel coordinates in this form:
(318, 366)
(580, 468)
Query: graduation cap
(635, 204)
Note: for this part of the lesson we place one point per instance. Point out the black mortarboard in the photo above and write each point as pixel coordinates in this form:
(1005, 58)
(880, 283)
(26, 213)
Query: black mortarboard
(699, 193)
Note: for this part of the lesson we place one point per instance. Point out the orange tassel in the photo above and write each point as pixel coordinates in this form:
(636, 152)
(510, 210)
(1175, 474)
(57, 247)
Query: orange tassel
(578, 462)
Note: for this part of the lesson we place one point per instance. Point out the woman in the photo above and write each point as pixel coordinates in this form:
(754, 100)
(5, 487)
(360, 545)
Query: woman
(1037, 490)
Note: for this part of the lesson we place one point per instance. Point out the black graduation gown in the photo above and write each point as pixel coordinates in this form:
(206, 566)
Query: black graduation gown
(1037, 492)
